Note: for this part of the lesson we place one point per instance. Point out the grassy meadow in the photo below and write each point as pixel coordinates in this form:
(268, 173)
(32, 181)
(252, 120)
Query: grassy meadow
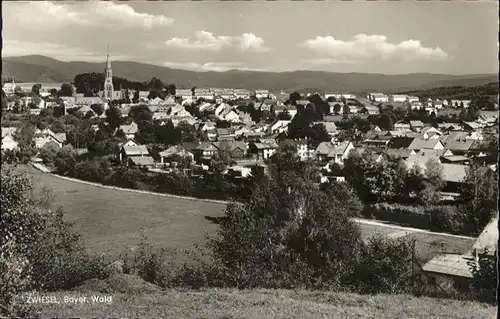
(111, 220)
(222, 303)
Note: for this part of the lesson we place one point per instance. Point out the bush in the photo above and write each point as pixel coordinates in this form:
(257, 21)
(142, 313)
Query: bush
(447, 219)
(39, 251)
(148, 263)
(385, 266)
(406, 215)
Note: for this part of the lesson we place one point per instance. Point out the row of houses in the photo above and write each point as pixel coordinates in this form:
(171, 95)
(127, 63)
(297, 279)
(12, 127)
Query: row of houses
(42, 138)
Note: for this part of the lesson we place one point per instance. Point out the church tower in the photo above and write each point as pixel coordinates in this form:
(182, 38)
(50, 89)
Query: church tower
(108, 80)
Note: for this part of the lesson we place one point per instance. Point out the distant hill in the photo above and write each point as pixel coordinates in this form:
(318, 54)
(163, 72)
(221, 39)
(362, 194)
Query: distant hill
(37, 68)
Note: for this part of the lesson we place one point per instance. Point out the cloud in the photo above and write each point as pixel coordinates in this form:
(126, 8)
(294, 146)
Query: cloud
(43, 15)
(56, 51)
(208, 66)
(368, 47)
(207, 41)
(212, 66)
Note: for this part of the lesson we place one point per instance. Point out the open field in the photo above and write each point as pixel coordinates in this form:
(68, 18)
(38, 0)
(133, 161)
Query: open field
(222, 303)
(111, 220)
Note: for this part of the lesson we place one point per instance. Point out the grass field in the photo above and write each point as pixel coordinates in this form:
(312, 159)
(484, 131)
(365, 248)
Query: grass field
(221, 303)
(111, 220)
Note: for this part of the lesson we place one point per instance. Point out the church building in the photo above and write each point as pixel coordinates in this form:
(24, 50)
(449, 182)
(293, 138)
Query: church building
(109, 93)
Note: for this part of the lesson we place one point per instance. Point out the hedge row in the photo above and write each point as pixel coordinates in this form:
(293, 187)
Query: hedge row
(441, 218)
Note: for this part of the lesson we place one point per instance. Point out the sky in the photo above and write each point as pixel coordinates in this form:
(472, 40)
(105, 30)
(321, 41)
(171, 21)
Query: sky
(358, 36)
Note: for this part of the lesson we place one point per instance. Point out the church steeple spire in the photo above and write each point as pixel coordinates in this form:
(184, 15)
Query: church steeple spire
(108, 81)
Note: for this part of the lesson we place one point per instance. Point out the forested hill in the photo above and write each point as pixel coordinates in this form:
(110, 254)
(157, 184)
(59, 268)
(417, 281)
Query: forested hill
(37, 68)
(457, 92)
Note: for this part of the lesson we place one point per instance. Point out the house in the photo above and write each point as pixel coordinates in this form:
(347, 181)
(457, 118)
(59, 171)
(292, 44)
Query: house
(460, 146)
(402, 153)
(245, 118)
(205, 150)
(203, 94)
(438, 104)
(379, 97)
(156, 101)
(132, 149)
(352, 109)
(449, 127)
(8, 143)
(42, 141)
(370, 110)
(230, 116)
(184, 94)
(129, 130)
(290, 109)
(278, 126)
(323, 149)
(169, 101)
(402, 126)
(141, 161)
(302, 149)
(416, 105)
(261, 94)
(175, 151)
(487, 242)
(430, 132)
(339, 152)
(399, 98)
(419, 143)
(472, 126)
(237, 149)
(241, 93)
(416, 125)
(225, 134)
(451, 272)
(420, 158)
(265, 148)
(221, 108)
(8, 131)
(412, 99)
(159, 116)
(205, 106)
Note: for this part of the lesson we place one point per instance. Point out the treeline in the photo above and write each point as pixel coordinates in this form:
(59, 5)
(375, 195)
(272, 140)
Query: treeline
(89, 84)
(457, 92)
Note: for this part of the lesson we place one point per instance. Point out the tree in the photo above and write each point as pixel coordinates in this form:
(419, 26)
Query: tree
(294, 97)
(385, 266)
(146, 133)
(171, 89)
(480, 193)
(284, 116)
(53, 92)
(355, 167)
(88, 84)
(36, 89)
(97, 108)
(135, 99)
(337, 108)
(485, 277)
(141, 113)
(430, 194)
(285, 236)
(222, 124)
(39, 250)
(65, 160)
(66, 90)
(318, 134)
(386, 122)
(156, 84)
(113, 117)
